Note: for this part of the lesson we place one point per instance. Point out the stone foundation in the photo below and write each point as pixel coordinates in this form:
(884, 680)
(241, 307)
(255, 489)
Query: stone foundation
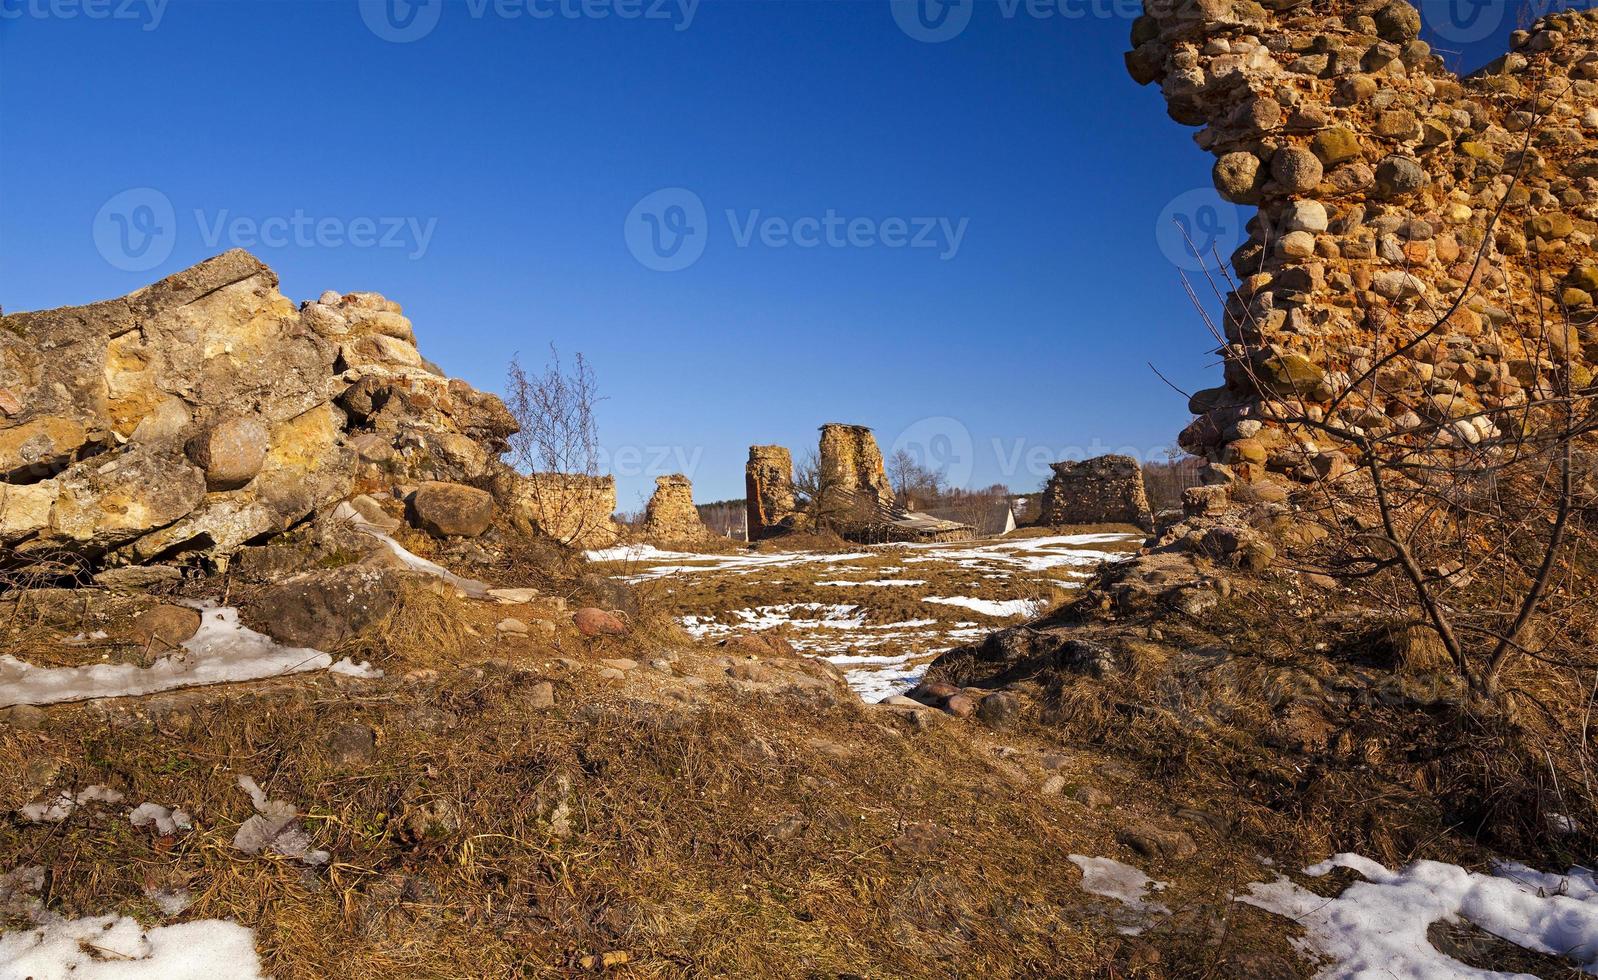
(1103, 490)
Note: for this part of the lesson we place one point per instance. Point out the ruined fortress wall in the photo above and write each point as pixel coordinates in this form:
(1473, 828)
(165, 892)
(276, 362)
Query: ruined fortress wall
(575, 509)
(670, 514)
(1436, 229)
(1103, 490)
(850, 459)
(768, 489)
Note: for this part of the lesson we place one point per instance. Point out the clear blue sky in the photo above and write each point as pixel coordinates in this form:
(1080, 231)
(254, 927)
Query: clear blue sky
(520, 156)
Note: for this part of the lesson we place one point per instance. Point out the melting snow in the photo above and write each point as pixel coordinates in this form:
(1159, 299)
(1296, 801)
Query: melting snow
(1122, 882)
(222, 651)
(990, 607)
(274, 827)
(880, 582)
(165, 821)
(110, 947)
(1377, 927)
(61, 806)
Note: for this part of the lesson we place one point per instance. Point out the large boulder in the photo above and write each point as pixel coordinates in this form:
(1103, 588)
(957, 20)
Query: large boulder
(450, 510)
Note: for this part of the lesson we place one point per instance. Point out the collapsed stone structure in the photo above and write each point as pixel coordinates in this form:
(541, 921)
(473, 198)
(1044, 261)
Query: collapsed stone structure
(1102, 490)
(670, 514)
(1392, 196)
(768, 491)
(207, 411)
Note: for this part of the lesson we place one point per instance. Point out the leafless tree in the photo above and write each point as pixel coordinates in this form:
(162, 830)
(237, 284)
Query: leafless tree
(914, 484)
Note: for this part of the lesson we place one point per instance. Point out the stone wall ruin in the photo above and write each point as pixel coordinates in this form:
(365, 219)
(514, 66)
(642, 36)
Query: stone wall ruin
(768, 490)
(851, 462)
(1445, 223)
(574, 509)
(1102, 490)
(670, 514)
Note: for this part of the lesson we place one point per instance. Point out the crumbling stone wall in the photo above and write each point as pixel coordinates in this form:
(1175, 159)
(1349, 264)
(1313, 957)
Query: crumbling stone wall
(1102, 490)
(575, 509)
(851, 461)
(768, 490)
(206, 410)
(670, 514)
(1392, 196)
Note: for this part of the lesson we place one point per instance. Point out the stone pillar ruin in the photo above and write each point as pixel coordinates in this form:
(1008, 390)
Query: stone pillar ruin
(670, 514)
(768, 490)
(1428, 234)
(1102, 490)
(851, 461)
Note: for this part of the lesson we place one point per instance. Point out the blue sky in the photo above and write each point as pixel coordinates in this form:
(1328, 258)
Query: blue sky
(966, 244)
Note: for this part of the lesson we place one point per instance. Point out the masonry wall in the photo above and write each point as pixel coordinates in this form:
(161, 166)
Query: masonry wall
(1103, 490)
(574, 509)
(670, 514)
(850, 459)
(1429, 234)
(768, 489)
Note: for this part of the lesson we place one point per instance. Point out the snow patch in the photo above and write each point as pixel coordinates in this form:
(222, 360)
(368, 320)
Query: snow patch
(1377, 927)
(165, 821)
(61, 806)
(222, 651)
(111, 947)
(1129, 886)
(275, 827)
(990, 607)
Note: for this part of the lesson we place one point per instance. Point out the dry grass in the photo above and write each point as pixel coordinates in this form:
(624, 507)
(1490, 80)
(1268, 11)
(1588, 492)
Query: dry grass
(789, 834)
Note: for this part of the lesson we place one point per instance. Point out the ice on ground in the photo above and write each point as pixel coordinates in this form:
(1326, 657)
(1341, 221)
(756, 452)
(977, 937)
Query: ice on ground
(804, 615)
(874, 685)
(165, 821)
(1129, 886)
(171, 901)
(61, 806)
(990, 607)
(1028, 554)
(222, 651)
(275, 827)
(111, 947)
(1377, 927)
(877, 582)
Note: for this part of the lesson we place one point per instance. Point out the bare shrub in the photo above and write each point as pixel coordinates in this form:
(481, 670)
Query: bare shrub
(557, 447)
